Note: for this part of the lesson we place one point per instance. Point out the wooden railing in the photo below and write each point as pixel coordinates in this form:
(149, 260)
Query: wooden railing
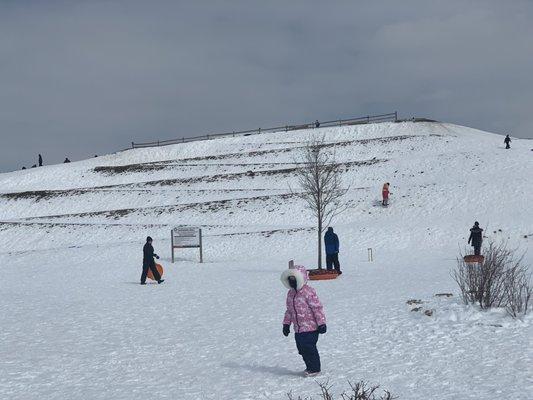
(369, 119)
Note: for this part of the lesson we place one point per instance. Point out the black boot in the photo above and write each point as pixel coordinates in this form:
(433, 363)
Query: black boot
(160, 281)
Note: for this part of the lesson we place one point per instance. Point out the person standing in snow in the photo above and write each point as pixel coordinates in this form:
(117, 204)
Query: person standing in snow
(149, 263)
(306, 314)
(507, 140)
(66, 161)
(385, 193)
(476, 237)
(331, 243)
(40, 160)
(317, 124)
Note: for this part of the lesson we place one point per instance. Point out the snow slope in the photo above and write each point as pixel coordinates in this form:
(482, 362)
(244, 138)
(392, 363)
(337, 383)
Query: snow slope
(76, 324)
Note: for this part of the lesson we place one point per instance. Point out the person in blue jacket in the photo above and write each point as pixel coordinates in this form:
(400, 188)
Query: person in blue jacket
(331, 242)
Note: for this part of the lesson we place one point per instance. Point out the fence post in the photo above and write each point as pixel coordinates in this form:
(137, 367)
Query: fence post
(339, 122)
(368, 119)
(395, 116)
(259, 130)
(132, 145)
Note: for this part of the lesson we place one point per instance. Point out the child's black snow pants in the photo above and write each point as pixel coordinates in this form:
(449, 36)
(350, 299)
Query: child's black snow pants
(306, 345)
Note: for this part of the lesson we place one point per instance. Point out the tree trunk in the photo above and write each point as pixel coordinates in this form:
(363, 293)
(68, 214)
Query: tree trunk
(319, 244)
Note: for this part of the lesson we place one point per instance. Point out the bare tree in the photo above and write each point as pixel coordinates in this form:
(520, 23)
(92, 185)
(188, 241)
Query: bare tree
(320, 183)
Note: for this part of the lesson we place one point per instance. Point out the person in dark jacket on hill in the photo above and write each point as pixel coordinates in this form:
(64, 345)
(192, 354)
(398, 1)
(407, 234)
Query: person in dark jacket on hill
(476, 237)
(331, 242)
(66, 161)
(507, 140)
(40, 160)
(149, 263)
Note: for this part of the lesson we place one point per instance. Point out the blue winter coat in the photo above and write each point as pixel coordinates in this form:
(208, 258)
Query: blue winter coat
(331, 241)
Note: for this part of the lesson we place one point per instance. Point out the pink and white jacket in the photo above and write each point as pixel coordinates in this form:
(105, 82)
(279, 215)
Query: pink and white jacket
(304, 309)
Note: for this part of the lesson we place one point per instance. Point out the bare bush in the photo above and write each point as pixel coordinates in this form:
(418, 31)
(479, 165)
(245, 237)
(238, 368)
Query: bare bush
(319, 179)
(518, 290)
(358, 391)
(501, 280)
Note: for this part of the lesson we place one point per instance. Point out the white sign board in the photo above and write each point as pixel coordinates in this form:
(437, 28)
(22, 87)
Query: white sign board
(186, 237)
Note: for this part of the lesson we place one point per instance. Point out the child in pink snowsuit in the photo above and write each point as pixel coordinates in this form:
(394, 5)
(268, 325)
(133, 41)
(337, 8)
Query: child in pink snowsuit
(306, 314)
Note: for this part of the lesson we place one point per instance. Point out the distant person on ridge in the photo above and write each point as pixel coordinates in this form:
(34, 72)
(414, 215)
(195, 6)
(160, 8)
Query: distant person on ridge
(317, 124)
(476, 237)
(385, 192)
(306, 314)
(149, 263)
(507, 140)
(66, 161)
(40, 161)
(331, 242)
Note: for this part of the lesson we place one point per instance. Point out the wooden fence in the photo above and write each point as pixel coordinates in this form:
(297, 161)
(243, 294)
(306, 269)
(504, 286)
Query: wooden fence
(369, 119)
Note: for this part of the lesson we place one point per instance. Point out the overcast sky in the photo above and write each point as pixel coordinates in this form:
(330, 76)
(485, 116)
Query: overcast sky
(88, 77)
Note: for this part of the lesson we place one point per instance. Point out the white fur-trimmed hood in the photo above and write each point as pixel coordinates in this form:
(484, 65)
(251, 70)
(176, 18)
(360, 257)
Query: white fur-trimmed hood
(299, 272)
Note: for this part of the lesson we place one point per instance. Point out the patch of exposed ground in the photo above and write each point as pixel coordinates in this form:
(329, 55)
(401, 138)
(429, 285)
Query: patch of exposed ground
(48, 194)
(202, 207)
(156, 166)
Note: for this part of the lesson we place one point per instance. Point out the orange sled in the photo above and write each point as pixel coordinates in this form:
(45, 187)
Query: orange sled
(159, 269)
(473, 259)
(322, 274)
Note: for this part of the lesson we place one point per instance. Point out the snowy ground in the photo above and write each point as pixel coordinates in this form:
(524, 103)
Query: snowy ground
(76, 324)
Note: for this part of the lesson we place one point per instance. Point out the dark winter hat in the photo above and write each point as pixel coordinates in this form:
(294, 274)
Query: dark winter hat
(476, 223)
(330, 229)
(148, 239)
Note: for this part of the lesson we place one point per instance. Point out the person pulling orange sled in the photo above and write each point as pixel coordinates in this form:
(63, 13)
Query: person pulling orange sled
(149, 263)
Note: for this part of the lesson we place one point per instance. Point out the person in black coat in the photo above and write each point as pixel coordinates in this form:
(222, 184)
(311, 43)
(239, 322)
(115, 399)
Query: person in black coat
(149, 263)
(40, 160)
(317, 124)
(66, 161)
(507, 140)
(476, 237)
(331, 242)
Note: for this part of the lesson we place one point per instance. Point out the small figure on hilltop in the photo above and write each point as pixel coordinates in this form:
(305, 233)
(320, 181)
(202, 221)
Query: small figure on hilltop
(385, 193)
(476, 237)
(149, 263)
(23, 167)
(331, 243)
(66, 160)
(34, 166)
(40, 160)
(306, 314)
(317, 124)
(507, 142)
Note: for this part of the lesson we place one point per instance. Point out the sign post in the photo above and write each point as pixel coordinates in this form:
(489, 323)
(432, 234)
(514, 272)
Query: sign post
(186, 237)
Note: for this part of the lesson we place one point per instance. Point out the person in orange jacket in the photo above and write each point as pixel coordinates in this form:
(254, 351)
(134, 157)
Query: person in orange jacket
(385, 193)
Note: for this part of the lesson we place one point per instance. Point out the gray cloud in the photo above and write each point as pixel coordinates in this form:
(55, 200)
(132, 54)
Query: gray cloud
(79, 78)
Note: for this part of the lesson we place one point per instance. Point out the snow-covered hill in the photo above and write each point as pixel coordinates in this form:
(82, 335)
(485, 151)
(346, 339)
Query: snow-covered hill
(76, 325)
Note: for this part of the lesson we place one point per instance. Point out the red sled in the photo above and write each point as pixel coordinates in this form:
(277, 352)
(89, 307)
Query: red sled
(474, 259)
(322, 274)
(159, 269)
